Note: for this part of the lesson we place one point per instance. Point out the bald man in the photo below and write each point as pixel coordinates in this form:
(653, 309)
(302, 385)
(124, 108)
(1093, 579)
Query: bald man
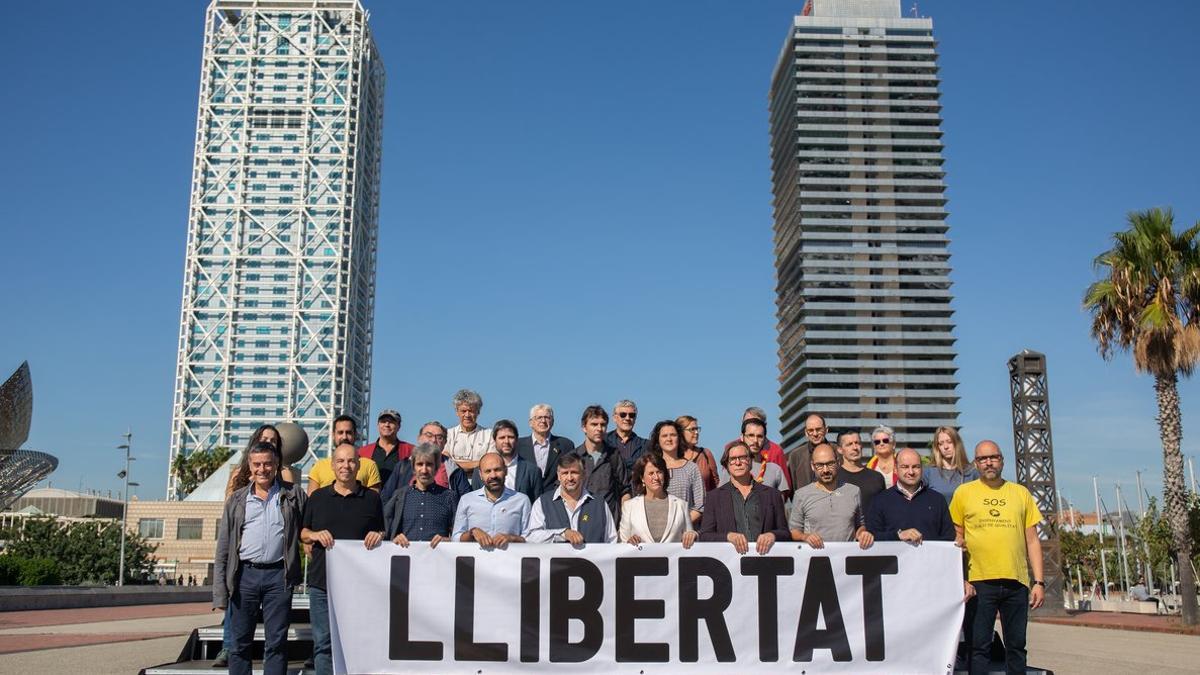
(910, 510)
(997, 522)
(825, 511)
(494, 515)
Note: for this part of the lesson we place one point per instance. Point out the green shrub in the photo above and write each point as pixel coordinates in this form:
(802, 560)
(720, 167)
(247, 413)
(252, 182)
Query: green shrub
(18, 570)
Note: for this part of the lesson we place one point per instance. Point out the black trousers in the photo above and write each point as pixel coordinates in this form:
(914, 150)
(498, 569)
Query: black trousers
(1011, 599)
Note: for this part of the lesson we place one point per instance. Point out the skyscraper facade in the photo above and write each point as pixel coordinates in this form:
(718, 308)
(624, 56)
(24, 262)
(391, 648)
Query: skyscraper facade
(279, 276)
(862, 260)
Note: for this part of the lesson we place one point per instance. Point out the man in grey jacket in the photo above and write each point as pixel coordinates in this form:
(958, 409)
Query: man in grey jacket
(258, 560)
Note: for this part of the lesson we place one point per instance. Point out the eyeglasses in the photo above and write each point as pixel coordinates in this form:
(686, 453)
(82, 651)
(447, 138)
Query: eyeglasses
(544, 418)
(826, 465)
(881, 441)
(738, 459)
(989, 458)
(627, 415)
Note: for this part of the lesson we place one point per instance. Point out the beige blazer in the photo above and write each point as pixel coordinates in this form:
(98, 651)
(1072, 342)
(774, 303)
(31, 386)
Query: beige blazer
(633, 520)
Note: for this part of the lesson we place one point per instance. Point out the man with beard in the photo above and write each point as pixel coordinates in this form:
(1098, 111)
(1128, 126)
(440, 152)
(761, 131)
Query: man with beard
(765, 471)
(823, 510)
(570, 514)
(387, 450)
(494, 515)
(997, 521)
(852, 471)
(522, 474)
(422, 510)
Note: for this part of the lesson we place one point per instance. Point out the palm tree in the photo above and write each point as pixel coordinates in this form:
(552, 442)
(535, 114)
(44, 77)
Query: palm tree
(1148, 302)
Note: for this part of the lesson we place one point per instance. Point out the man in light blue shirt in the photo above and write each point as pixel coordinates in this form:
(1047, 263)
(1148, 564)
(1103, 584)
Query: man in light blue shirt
(494, 515)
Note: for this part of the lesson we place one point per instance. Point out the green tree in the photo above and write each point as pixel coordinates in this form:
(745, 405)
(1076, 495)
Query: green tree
(1156, 538)
(85, 552)
(1147, 303)
(192, 470)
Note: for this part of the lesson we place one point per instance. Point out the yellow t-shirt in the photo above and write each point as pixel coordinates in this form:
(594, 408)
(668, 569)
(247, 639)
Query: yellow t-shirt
(994, 522)
(322, 472)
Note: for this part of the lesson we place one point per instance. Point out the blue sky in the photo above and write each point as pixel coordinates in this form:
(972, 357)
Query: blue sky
(576, 209)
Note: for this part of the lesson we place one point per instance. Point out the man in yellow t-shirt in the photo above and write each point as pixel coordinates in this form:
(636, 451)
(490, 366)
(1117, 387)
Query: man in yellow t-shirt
(345, 430)
(996, 520)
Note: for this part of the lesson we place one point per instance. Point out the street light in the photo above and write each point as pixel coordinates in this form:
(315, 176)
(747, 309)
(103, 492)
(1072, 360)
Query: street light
(126, 446)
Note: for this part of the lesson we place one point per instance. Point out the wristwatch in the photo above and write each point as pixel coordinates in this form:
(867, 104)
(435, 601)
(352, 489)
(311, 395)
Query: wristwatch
(1039, 582)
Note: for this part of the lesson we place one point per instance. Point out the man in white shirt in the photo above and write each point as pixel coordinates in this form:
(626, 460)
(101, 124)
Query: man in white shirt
(467, 442)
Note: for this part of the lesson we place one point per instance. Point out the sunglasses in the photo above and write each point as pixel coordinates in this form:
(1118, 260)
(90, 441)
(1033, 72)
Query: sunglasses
(627, 415)
(881, 441)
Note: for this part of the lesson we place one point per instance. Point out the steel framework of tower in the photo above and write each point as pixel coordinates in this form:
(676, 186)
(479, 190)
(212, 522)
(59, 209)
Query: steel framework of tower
(1034, 451)
(279, 277)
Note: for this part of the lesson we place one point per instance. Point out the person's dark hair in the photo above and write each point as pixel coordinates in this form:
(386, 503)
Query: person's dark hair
(504, 424)
(593, 411)
(653, 448)
(735, 444)
(754, 421)
(567, 459)
(847, 432)
(241, 478)
(346, 418)
(639, 471)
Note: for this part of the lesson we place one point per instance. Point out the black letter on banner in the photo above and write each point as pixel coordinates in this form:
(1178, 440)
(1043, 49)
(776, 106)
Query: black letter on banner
(586, 609)
(531, 611)
(630, 608)
(767, 570)
(465, 646)
(400, 648)
(712, 610)
(820, 599)
(872, 568)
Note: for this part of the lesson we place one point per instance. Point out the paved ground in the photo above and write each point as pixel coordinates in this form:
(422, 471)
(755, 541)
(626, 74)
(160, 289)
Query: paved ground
(1093, 651)
(122, 640)
(98, 640)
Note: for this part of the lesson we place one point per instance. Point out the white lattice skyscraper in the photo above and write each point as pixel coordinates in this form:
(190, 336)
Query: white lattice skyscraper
(279, 278)
(862, 260)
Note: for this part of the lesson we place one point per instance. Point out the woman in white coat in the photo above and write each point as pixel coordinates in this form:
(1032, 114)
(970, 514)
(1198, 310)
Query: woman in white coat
(654, 516)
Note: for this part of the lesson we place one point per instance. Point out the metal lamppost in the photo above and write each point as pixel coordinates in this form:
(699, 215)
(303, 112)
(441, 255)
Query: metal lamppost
(128, 436)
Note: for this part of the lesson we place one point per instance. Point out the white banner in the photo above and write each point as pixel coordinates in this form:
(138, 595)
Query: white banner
(617, 608)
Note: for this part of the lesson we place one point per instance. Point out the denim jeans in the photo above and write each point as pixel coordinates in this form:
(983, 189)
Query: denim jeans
(1011, 599)
(318, 613)
(267, 588)
(226, 629)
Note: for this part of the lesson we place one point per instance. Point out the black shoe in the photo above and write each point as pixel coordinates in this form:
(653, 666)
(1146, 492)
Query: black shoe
(222, 660)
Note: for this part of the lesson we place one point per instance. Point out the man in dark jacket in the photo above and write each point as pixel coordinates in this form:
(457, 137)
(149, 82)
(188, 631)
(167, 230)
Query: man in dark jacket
(422, 510)
(910, 511)
(542, 448)
(604, 472)
(258, 561)
(743, 510)
(522, 475)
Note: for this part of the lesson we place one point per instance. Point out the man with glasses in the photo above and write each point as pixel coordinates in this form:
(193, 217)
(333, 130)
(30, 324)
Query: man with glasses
(743, 511)
(432, 433)
(825, 511)
(768, 450)
(799, 459)
(627, 443)
(542, 448)
(997, 521)
(754, 436)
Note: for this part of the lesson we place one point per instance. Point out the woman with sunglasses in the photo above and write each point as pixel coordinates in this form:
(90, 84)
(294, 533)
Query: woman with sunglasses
(950, 468)
(884, 459)
(692, 451)
(684, 478)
